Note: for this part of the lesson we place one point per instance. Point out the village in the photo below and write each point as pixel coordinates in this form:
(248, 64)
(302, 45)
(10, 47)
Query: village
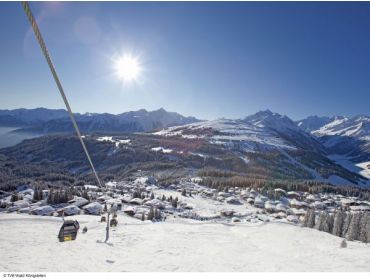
(143, 199)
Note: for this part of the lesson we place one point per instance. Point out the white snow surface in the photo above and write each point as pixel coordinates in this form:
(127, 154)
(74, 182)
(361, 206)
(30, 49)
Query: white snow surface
(252, 134)
(161, 149)
(358, 127)
(29, 243)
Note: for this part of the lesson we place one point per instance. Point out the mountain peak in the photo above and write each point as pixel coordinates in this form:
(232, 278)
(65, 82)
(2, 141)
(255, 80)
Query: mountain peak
(272, 120)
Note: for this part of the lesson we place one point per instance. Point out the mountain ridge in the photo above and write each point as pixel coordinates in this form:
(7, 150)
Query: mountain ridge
(42, 120)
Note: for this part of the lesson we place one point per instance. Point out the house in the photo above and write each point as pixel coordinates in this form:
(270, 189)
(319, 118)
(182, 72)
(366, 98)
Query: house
(295, 195)
(294, 203)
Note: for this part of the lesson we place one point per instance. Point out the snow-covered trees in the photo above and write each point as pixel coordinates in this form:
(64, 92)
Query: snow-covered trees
(174, 203)
(309, 218)
(346, 224)
(37, 194)
(57, 196)
(364, 235)
(14, 197)
(157, 213)
(85, 195)
(354, 227)
(151, 214)
(322, 222)
(339, 217)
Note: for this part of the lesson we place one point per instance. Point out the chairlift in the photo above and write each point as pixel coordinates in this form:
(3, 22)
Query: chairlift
(103, 219)
(68, 231)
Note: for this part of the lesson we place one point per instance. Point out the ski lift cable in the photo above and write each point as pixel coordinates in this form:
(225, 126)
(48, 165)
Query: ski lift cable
(45, 52)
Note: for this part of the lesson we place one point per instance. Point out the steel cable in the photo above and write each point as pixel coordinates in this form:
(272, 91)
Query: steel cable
(42, 44)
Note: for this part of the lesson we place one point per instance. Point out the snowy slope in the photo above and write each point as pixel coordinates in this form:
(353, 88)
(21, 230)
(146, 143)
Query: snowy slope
(312, 123)
(262, 131)
(268, 132)
(29, 243)
(347, 140)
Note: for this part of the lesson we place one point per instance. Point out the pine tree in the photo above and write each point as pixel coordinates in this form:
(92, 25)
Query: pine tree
(105, 208)
(143, 217)
(85, 195)
(50, 197)
(309, 218)
(151, 214)
(329, 223)
(183, 193)
(35, 194)
(321, 221)
(347, 221)
(364, 235)
(163, 198)
(338, 223)
(157, 214)
(354, 227)
(174, 203)
(152, 196)
(14, 197)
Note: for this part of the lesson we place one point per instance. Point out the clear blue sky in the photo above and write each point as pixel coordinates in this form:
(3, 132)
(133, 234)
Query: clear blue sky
(204, 59)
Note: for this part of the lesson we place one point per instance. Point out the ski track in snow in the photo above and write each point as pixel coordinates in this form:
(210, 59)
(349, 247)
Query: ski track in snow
(30, 243)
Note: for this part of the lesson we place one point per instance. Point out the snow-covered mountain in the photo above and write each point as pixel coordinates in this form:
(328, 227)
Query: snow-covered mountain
(313, 122)
(31, 116)
(357, 127)
(267, 132)
(336, 149)
(46, 121)
(346, 140)
(261, 131)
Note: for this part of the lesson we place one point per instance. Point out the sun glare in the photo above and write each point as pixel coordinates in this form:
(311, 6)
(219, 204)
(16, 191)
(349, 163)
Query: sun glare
(127, 68)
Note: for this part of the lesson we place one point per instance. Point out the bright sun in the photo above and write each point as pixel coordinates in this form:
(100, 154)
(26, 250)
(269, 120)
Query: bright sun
(127, 68)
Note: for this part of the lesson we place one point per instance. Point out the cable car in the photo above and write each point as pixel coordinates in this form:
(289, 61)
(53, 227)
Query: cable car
(68, 231)
(113, 222)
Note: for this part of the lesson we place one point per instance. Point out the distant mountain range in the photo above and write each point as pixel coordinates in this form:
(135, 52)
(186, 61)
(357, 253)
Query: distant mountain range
(332, 149)
(46, 121)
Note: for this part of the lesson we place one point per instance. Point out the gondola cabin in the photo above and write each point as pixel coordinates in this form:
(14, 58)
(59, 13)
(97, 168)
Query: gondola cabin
(113, 222)
(68, 231)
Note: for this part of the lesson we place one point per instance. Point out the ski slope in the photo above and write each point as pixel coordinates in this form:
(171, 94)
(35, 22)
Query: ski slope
(29, 243)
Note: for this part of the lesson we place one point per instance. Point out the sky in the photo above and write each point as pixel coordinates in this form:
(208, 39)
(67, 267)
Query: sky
(207, 60)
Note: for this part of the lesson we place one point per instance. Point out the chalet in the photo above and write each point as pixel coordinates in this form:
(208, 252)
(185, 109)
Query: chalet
(293, 195)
